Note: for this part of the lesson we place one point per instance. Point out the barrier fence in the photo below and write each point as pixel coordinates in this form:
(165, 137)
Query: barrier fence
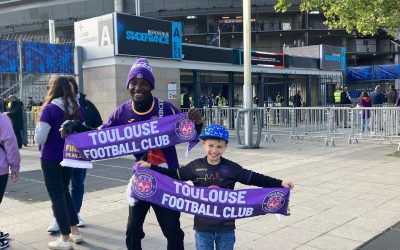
(328, 123)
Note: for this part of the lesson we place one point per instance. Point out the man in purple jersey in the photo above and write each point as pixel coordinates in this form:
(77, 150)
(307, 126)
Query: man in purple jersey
(141, 107)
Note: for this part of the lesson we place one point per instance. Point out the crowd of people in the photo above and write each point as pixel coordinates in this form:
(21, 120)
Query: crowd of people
(378, 97)
(214, 101)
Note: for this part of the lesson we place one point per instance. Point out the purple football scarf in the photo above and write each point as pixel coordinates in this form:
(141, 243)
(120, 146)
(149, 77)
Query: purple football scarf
(82, 148)
(217, 203)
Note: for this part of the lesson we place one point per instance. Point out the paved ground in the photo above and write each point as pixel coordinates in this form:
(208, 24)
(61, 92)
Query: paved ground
(344, 196)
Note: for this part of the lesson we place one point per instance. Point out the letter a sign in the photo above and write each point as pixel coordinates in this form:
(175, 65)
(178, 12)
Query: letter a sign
(176, 41)
(177, 33)
(105, 37)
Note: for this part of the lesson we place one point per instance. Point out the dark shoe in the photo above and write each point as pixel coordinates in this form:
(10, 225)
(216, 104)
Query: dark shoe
(4, 236)
(3, 244)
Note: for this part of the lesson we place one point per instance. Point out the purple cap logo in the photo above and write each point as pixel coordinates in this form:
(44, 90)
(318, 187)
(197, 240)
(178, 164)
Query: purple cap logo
(184, 128)
(273, 201)
(145, 185)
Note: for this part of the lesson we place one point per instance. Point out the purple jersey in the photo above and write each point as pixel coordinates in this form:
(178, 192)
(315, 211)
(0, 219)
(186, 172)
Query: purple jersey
(52, 149)
(126, 114)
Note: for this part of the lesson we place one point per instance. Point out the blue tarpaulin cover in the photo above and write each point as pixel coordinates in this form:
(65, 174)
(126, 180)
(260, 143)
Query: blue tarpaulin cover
(372, 73)
(9, 59)
(364, 73)
(48, 58)
(385, 72)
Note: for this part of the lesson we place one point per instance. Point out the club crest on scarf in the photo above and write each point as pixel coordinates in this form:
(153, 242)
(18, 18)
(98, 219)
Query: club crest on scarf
(273, 201)
(145, 184)
(184, 128)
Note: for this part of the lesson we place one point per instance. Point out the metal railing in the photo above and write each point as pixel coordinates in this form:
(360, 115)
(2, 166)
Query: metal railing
(328, 123)
(331, 123)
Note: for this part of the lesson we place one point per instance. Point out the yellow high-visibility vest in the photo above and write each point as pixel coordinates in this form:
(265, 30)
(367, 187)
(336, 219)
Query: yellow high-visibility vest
(337, 94)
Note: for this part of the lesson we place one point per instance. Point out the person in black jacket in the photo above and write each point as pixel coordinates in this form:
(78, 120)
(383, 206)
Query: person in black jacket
(226, 173)
(14, 109)
(2, 104)
(93, 120)
(345, 96)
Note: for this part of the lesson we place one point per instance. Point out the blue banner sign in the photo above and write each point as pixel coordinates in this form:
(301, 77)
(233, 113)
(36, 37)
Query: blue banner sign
(48, 58)
(332, 57)
(9, 59)
(140, 36)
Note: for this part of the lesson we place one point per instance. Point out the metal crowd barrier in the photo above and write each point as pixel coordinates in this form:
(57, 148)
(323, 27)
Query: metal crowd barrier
(225, 116)
(32, 117)
(329, 123)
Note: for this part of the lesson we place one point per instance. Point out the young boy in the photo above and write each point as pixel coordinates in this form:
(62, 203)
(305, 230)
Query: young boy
(214, 171)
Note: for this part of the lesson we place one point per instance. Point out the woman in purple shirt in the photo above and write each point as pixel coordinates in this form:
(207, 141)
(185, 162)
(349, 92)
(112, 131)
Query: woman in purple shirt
(60, 105)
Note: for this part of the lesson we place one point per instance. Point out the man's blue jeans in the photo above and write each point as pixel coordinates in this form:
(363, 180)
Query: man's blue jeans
(224, 240)
(78, 187)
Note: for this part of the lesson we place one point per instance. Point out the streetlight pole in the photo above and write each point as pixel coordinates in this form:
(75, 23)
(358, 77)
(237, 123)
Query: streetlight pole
(52, 32)
(137, 7)
(306, 24)
(247, 88)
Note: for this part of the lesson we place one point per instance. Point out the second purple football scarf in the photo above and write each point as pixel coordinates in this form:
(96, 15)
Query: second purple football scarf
(217, 203)
(82, 148)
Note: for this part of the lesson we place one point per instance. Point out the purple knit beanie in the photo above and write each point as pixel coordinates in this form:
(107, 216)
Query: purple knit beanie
(141, 69)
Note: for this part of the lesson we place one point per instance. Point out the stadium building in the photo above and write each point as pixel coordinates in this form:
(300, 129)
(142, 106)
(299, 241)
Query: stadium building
(217, 23)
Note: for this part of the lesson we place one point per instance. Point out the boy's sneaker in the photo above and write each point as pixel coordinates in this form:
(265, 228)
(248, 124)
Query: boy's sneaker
(53, 227)
(81, 222)
(76, 238)
(4, 236)
(3, 244)
(60, 244)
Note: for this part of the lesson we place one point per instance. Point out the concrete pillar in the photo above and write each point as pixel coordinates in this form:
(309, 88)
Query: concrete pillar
(308, 91)
(231, 96)
(197, 88)
(286, 94)
(261, 90)
(118, 5)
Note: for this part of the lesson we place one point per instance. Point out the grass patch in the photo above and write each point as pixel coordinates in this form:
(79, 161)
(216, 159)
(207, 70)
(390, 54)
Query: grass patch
(395, 154)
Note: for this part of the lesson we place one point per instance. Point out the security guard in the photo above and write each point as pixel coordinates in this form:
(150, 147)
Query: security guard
(337, 94)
